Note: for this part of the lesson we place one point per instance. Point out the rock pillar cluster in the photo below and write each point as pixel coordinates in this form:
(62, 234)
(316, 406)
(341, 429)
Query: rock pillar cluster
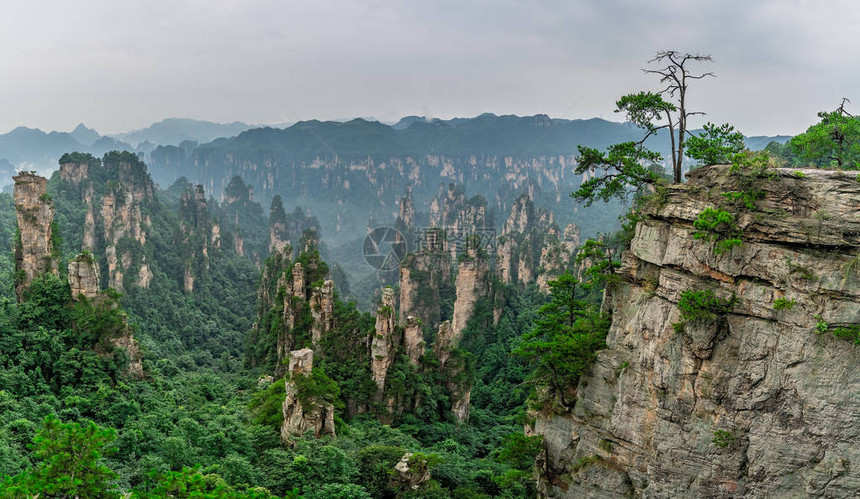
(199, 235)
(532, 248)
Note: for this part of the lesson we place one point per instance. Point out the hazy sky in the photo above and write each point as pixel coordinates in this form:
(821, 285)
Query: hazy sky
(119, 64)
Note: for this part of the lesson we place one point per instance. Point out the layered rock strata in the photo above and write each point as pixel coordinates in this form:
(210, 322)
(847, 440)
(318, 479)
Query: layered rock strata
(758, 402)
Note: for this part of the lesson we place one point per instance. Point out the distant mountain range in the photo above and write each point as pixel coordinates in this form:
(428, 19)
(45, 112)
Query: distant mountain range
(34, 149)
(351, 174)
(174, 131)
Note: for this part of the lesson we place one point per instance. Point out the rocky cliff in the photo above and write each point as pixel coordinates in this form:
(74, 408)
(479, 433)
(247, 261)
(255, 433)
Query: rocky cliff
(472, 284)
(724, 375)
(35, 247)
(84, 276)
(37, 253)
(279, 230)
(322, 310)
(424, 276)
(303, 413)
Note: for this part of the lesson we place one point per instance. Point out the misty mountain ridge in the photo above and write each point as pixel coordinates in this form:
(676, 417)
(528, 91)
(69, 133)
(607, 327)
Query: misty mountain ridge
(34, 149)
(84, 135)
(173, 131)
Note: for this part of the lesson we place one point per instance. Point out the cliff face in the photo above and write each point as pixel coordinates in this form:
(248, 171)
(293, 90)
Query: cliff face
(34, 252)
(423, 276)
(279, 230)
(84, 283)
(749, 403)
(84, 276)
(322, 310)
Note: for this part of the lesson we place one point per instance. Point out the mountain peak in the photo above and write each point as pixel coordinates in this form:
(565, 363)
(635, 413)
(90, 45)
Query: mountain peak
(84, 135)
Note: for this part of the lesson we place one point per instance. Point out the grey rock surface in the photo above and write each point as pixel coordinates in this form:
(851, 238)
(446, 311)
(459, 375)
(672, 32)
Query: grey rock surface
(754, 404)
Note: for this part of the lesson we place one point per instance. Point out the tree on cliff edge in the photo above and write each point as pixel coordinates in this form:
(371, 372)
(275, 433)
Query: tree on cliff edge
(629, 166)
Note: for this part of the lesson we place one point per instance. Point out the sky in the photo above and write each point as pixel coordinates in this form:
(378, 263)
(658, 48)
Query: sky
(119, 65)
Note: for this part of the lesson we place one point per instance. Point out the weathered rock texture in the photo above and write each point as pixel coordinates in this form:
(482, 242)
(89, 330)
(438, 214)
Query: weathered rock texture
(472, 284)
(296, 302)
(779, 399)
(406, 212)
(117, 219)
(424, 276)
(301, 413)
(384, 340)
(454, 369)
(34, 252)
(459, 218)
(84, 276)
(413, 340)
(322, 310)
(410, 473)
(532, 248)
(279, 230)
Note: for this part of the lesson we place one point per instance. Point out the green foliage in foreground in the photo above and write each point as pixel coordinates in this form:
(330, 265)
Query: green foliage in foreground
(714, 224)
(69, 463)
(834, 142)
(203, 426)
(783, 303)
(566, 337)
(622, 170)
(715, 145)
(723, 438)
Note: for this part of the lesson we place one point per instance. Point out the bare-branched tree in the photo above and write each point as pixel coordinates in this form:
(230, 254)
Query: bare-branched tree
(675, 74)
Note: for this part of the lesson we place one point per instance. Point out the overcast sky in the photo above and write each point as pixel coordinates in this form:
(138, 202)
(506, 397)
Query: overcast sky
(118, 65)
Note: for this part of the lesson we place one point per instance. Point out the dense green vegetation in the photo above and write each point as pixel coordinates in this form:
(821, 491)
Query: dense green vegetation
(564, 341)
(703, 305)
(204, 419)
(833, 142)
